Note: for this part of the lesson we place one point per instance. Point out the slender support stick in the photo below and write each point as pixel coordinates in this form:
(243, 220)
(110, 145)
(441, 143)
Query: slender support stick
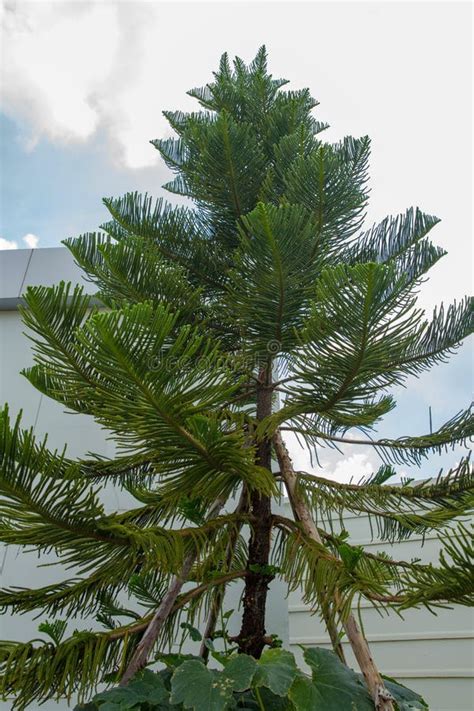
(216, 606)
(381, 696)
(332, 628)
(219, 593)
(142, 652)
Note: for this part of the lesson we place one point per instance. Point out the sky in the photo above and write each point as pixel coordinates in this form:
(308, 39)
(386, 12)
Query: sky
(83, 85)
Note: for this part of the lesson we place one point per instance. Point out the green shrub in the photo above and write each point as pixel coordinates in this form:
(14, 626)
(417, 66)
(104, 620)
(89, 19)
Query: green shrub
(272, 683)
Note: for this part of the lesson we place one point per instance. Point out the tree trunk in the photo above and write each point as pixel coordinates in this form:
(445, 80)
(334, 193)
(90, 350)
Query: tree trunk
(140, 656)
(252, 636)
(381, 696)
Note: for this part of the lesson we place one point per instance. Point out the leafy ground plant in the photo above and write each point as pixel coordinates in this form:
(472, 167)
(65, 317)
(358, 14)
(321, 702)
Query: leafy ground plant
(272, 683)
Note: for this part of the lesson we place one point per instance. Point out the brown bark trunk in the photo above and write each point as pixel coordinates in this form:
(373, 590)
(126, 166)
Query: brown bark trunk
(252, 636)
(147, 642)
(381, 696)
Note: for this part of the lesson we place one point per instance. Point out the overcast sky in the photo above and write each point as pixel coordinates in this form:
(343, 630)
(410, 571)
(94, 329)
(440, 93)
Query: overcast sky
(83, 85)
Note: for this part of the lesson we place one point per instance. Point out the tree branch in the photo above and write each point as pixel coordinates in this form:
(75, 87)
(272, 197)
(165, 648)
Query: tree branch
(142, 652)
(219, 593)
(381, 696)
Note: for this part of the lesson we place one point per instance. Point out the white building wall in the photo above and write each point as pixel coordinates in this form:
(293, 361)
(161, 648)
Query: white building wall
(434, 655)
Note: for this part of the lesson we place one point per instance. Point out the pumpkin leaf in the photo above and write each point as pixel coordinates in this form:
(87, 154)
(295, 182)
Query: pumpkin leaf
(203, 689)
(194, 633)
(333, 686)
(407, 700)
(146, 688)
(276, 670)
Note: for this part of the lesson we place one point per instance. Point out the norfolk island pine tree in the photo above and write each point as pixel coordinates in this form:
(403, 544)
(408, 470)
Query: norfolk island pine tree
(268, 285)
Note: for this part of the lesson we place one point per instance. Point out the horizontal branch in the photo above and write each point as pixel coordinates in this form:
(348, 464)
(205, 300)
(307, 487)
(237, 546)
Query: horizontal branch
(282, 521)
(141, 625)
(438, 488)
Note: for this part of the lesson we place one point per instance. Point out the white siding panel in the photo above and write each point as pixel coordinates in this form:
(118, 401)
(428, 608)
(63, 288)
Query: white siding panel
(430, 653)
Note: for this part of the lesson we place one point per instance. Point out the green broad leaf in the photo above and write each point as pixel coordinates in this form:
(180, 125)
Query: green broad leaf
(276, 670)
(194, 633)
(147, 687)
(220, 657)
(240, 669)
(407, 700)
(112, 706)
(120, 697)
(174, 660)
(200, 689)
(272, 702)
(150, 686)
(305, 695)
(333, 686)
(246, 701)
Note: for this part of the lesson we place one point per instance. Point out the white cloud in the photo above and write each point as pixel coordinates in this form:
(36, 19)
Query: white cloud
(352, 468)
(7, 244)
(355, 463)
(31, 240)
(56, 54)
